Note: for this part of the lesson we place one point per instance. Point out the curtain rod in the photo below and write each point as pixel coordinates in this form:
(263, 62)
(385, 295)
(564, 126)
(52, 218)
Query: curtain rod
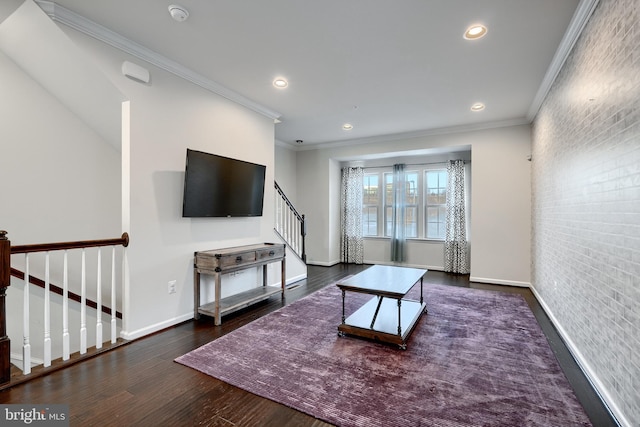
(410, 164)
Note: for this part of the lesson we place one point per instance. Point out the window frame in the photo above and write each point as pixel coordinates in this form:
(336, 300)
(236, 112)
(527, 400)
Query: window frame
(420, 206)
(441, 206)
(370, 205)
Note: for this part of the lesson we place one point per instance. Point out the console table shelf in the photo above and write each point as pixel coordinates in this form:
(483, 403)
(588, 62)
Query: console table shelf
(222, 261)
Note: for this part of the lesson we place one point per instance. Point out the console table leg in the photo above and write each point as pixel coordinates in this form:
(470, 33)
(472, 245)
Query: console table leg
(283, 273)
(217, 317)
(264, 275)
(196, 293)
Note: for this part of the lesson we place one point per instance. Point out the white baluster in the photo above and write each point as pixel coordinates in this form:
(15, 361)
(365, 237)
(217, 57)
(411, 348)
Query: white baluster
(275, 208)
(124, 295)
(286, 223)
(26, 345)
(289, 224)
(113, 295)
(278, 213)
(66, 352)
(99, 302)
(83, 306)
(280, 227)
(47, 310)
(296, 241)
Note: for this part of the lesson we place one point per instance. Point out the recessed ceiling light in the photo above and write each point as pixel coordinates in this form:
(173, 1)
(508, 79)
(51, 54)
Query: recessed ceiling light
(178, 13)
(475, 32)
(347, 126)
(280, 83)
(478, 106)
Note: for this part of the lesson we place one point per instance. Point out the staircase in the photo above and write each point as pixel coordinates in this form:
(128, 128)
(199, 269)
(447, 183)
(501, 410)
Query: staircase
(290, 224)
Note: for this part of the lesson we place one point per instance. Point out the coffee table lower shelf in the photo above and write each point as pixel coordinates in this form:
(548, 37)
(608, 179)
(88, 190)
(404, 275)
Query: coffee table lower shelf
(385, 328)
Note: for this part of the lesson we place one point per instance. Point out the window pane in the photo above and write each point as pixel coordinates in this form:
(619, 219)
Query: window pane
(412, 188)
(432, 179)
(388, 221)
(370, 190)
(370, 221)
(411, 221)
(388, 196)
(436, 200)
(433, 197)
(442, 179)
(432, 230)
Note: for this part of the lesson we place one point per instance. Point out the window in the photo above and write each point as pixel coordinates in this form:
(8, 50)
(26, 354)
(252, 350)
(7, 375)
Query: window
(411, 206)
(425, 203)
(436, 203)
(370, 199)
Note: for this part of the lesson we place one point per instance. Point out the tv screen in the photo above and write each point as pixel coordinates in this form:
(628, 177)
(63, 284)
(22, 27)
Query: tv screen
(217, 186)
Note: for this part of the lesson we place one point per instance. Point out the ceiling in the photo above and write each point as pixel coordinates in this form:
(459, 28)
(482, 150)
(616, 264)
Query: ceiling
(386, 67)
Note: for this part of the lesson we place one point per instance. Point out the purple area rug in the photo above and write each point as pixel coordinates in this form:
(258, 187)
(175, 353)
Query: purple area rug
(478, 358)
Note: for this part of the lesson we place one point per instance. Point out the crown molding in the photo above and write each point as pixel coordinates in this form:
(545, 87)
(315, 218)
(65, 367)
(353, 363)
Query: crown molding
(578, 22)
(78, 22)
(411, 135)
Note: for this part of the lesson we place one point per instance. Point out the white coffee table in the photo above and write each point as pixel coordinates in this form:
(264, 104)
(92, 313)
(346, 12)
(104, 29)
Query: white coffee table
(387, 317)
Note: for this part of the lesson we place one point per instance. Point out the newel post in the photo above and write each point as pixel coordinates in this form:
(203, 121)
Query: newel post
(5, 281)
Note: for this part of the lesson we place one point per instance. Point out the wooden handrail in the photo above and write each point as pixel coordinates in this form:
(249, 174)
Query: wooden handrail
(6, 250)
(45, 247)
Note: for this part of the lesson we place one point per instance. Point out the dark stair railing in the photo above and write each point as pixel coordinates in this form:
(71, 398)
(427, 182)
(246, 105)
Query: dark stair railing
(290, 224)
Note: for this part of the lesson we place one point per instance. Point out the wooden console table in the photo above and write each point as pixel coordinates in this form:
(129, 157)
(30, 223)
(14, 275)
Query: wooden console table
(223, 261)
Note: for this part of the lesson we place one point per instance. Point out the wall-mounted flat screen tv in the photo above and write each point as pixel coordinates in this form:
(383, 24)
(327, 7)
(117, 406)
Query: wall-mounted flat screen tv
(217, 186)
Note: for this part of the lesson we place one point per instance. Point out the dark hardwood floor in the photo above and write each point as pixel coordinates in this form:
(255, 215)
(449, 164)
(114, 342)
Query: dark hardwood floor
(139, 384)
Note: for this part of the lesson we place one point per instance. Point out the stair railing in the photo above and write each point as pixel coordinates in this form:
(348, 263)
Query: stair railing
(290, 224)
(6, 271)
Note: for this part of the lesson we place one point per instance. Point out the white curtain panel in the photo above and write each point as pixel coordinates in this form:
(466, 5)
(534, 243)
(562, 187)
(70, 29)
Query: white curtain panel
(351, 242)
(455, 260)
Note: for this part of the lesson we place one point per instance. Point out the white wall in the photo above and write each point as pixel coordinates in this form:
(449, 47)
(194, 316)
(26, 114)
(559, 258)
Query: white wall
(586, 205)
(500, 205)
(285, 171)
(166, 116)
(60, 179)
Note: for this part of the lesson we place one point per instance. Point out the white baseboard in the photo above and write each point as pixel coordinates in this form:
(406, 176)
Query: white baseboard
(182, 318)
(500, 282)
(156, 327)
(598, 386)
(293, 279)
(323, 264)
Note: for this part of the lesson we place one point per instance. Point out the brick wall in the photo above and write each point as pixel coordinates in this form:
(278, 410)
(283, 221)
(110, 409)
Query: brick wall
(586, 202)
